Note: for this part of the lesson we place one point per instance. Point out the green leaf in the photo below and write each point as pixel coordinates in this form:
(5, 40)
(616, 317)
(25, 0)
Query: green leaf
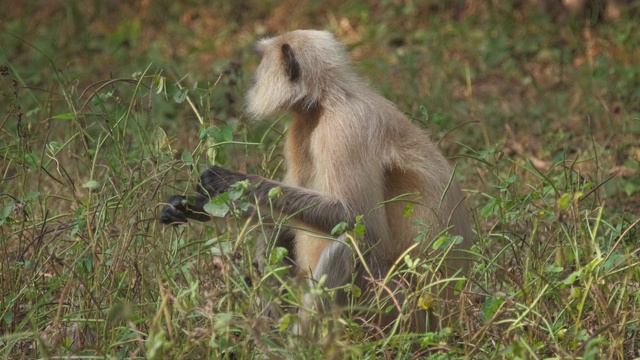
(220, 157)
(339, 229)
(573, 277)
(359, 228)
(226, 133)
(553, 269)
(31, 196)
(187, 158)
(277, 255)
(275, 193)
(353, 290)
(8, 317)
(238, 189)
(488, 209)
(54, 147)
(489, 308)
(220, 248)
(6, 212)
(159, 82)
(564, 201)
(155, 344)
(212, 151)
(614, 260)
(67, 116)
(631, 188)
(180, 95)
(575, 293)
(408, 210)
(284, 322)
(424, 112)
(438, 243)
(31, 161)
(446, 241)
(410, 263)
(217, 206)
(91, 184)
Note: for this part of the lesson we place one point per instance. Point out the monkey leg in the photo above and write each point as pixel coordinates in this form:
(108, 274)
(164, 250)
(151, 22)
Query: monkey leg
(340, 267)
(336, 263)
(387, 302)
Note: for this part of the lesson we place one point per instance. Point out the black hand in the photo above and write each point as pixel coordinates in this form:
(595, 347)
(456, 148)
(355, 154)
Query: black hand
(177, 210)
(174, 211)
(214, 181)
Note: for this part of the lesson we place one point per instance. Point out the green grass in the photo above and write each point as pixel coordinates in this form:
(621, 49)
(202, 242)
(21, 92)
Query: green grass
(107, 109)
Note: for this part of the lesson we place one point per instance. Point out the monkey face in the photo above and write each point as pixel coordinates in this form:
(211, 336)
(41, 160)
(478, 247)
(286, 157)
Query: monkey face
(297, 71)
(273, 89)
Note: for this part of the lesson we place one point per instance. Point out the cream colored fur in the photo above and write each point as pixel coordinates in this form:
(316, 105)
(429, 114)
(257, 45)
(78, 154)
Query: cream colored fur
(352, 145)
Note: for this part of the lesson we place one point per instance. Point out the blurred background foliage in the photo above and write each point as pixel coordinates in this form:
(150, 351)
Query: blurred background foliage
(536, 75)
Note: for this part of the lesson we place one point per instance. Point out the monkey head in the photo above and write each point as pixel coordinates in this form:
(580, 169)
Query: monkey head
(298, 71)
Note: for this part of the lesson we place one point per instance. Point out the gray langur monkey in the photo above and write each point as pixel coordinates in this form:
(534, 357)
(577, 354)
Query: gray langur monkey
(349, 152)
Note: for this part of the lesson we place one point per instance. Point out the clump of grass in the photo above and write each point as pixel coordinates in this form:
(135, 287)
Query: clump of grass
(559, 265)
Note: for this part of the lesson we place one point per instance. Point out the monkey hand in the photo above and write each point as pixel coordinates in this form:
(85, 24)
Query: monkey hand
(174, 211)
(178, 209)
(216, 180)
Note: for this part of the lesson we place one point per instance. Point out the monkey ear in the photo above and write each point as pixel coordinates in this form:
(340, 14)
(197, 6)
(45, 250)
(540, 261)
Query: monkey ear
(291, 65)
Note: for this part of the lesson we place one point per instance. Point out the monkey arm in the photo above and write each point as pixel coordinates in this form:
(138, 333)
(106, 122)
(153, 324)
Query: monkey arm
(309, 207)
(312, 208)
